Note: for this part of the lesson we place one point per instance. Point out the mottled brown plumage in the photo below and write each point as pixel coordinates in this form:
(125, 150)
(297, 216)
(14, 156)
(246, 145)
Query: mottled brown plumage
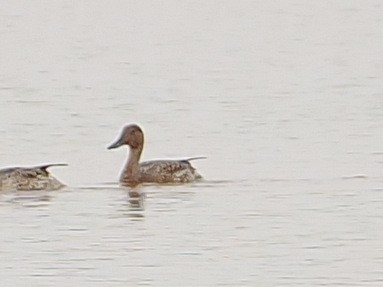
(29, 178)
(156, 171)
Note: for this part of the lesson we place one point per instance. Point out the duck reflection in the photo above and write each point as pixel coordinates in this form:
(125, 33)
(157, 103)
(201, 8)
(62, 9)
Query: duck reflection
(38, 198)
(136, 200)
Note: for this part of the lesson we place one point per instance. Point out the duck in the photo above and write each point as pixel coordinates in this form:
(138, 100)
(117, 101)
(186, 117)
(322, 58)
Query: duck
(29, 178)
(154, 171)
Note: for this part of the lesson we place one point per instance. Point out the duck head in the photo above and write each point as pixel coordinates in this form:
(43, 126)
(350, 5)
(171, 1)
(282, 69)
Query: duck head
(131, 135)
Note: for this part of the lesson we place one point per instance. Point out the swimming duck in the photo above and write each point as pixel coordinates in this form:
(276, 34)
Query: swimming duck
(29, 178)
(155, 171)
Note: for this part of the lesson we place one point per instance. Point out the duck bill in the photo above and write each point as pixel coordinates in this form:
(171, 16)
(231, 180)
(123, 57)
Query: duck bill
(116, 144)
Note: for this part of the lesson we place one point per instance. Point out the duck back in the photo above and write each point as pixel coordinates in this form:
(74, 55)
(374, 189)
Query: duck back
(168, 171)
(29, 178)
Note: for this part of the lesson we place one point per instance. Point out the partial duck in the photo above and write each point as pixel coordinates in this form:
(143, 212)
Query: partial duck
(29, 178)
(155, 171)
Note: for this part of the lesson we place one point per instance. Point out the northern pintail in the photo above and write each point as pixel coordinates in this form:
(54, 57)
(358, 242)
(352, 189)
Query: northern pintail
(155, 171)
(29, 178)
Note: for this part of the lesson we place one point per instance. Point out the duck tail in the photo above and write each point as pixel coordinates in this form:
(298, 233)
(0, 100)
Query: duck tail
(46, 166)
(194, 158)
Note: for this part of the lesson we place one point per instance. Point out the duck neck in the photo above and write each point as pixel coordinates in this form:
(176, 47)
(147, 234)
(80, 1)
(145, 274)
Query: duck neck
(130, 174)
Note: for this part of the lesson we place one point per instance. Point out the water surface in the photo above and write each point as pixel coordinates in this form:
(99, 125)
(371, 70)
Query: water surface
(283, 97)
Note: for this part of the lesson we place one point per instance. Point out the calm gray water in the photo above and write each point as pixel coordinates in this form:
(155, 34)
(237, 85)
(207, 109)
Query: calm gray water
(285, 98)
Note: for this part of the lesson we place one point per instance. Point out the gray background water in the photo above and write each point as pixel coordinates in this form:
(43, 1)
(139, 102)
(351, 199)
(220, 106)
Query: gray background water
(283, 97)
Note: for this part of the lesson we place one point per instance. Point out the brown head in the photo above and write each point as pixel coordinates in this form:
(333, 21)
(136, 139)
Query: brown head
(131, 135)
